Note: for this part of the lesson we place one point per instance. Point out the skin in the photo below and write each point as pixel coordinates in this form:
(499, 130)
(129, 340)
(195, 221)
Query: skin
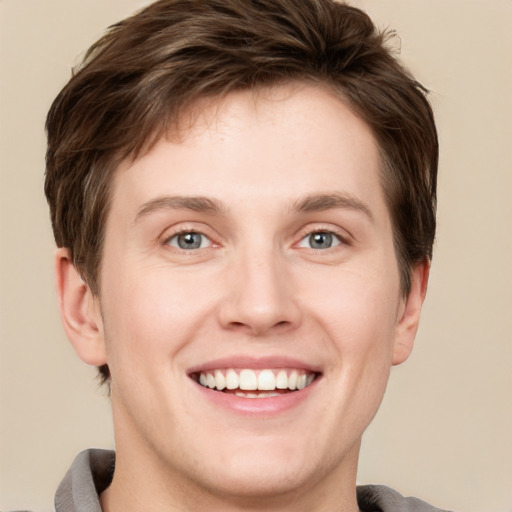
(255, 288)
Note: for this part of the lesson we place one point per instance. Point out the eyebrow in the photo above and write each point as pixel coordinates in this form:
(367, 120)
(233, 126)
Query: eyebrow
(193, 203)
(322, 202)
(309, 203)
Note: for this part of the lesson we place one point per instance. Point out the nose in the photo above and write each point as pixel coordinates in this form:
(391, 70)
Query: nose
(259, 296)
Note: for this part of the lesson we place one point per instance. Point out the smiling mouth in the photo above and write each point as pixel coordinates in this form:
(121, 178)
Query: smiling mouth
(250, 383)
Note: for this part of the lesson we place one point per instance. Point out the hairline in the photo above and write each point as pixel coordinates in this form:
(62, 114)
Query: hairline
(186, 119)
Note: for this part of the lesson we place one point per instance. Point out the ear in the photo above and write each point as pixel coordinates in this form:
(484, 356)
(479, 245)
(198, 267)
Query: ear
(79, 311)
(409, 314)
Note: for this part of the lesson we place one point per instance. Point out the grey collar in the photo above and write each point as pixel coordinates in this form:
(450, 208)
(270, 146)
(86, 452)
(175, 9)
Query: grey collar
(92, 471)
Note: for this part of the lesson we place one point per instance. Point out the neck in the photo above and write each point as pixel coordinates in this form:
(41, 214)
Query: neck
(174, 477)
(143, 485)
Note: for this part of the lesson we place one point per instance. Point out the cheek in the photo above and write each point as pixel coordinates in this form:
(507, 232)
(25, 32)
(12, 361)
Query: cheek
(150, 315)
(357, 307)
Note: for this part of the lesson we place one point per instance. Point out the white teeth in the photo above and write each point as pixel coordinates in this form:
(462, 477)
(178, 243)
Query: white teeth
(210, 380)
(220, 380)
(259, 380)
(266, 380)
(248, 380)
(231, 379)
(292, 380)
(255, 395)
(282, 380)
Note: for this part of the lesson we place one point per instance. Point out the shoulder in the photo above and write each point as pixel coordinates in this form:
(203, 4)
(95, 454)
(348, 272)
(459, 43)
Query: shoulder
(90, 474)
(379, 498)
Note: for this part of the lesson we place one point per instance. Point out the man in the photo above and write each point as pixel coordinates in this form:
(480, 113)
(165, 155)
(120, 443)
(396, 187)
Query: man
(243, 197)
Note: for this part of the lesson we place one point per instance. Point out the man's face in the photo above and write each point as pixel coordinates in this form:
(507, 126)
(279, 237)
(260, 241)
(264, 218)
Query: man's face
(256, 251)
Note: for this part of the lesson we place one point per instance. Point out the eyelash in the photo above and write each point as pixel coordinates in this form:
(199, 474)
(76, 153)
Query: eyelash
(175, 236)
(337, 239)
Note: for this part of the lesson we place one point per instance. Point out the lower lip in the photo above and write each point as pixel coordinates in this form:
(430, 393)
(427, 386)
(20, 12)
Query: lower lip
(271, 405)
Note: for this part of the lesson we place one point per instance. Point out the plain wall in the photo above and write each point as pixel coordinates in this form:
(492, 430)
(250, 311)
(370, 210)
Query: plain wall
(443, 431)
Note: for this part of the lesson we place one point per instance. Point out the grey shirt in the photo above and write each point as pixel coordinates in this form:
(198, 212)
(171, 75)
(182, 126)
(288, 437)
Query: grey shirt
(92, 471)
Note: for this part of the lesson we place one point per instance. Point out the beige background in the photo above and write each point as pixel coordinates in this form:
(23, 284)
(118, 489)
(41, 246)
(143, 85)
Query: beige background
(444, 430)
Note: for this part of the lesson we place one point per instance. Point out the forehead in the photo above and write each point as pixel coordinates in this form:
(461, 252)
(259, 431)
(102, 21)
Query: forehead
(275, 144)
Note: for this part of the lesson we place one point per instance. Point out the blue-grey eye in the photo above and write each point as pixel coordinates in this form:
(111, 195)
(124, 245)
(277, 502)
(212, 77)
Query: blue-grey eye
(320, 240)
(189, 240)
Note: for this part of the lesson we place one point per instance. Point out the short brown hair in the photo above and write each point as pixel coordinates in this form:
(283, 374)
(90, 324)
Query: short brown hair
(139, 77)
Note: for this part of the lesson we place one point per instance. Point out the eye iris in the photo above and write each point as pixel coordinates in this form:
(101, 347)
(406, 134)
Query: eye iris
(189, 241)
(320, 240)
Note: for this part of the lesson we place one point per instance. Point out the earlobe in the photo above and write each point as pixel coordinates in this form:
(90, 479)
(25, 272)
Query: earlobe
(410, 313)
(79, 311)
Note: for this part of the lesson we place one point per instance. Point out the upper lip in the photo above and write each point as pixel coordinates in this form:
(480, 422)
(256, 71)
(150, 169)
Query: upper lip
(254, 363)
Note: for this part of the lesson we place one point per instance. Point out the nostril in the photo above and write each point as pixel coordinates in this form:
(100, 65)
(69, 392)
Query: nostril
(260, 329)
(236, 324)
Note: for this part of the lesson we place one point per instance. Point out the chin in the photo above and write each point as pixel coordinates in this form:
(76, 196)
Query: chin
(261, 481)
(262, 469)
